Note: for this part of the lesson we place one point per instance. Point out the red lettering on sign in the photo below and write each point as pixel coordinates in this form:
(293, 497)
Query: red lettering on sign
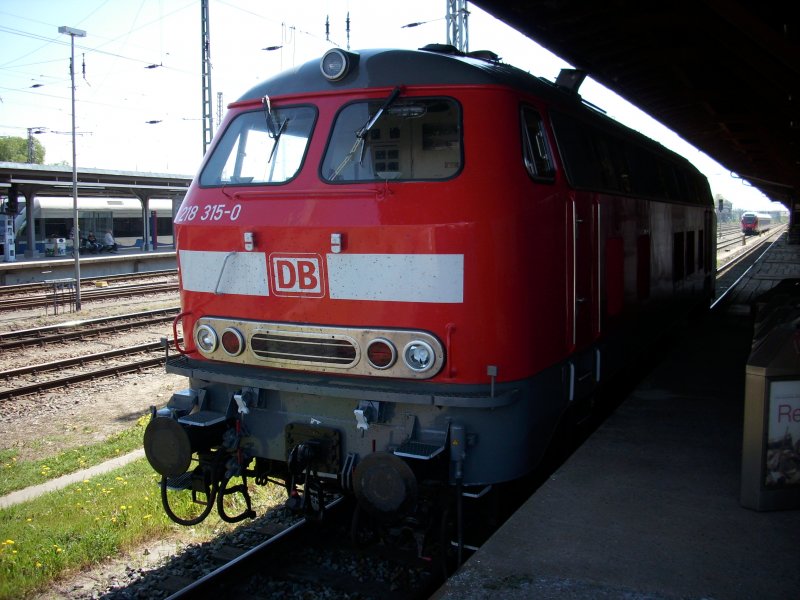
(308, 279)
(787, 412)
(297, 275)
(285, 274)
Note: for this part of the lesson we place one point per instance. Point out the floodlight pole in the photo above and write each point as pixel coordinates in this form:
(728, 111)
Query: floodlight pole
(73, 33)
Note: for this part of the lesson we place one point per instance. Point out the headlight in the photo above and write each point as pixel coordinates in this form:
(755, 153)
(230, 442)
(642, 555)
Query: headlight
(206, 339)
(418, 356)
(336, 63)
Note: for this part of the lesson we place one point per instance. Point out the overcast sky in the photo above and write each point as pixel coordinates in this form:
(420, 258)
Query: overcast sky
(140, 62)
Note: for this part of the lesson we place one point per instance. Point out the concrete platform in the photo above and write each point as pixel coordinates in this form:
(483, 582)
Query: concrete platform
(126, 260)
(649, 506)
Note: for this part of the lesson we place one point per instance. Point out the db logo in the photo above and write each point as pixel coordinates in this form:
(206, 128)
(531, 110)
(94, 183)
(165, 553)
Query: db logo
(297, 275)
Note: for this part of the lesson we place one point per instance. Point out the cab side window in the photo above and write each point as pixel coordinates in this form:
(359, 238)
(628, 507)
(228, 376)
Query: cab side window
(536, 152)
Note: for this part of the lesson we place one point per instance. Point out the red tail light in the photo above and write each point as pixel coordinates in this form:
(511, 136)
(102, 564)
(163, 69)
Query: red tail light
(381, 354)
(232, 342)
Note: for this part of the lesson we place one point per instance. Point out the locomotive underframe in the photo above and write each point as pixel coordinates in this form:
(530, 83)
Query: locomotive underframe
(409, 420)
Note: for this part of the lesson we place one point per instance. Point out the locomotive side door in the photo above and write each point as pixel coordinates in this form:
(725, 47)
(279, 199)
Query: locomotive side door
(583, 218)
(584, 212)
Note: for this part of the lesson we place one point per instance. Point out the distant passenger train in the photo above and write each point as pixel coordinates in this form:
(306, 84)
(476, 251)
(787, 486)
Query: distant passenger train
(755, 223)
(400, 270)
(53, 217)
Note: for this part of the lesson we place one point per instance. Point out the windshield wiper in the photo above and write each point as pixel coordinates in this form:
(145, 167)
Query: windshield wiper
(361, 134)
(273, 131)
(276, 137)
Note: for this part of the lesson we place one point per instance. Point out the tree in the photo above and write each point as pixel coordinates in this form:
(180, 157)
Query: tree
(15, 149)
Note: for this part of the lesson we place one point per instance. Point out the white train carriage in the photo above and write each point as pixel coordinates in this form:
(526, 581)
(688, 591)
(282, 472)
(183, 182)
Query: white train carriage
(53, 218)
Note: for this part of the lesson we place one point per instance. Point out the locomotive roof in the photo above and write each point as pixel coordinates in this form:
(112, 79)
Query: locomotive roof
(437, 64)
(432, 65)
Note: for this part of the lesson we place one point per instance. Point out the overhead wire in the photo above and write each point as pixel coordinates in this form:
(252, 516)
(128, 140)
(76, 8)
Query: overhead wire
(99, 46)
(93, 49)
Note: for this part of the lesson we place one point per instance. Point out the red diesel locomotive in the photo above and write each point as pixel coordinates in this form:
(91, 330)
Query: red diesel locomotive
(400, 269)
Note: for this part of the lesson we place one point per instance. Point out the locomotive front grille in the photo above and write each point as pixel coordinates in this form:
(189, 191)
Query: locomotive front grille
(285, 348)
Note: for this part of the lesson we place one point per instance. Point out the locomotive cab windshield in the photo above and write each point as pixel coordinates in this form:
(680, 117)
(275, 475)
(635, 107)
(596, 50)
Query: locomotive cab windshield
(261, 147)
(403, 138)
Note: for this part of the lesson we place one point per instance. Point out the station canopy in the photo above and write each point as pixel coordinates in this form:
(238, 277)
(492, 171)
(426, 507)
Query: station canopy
(725, 76)
(56, 181)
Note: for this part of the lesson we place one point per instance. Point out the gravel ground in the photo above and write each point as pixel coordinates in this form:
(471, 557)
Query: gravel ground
(45, 424)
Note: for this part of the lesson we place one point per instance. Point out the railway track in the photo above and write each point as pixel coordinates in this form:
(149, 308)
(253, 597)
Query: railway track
(31, 374)
(753, 248)
(24, 289)
(731, 274)
(729, 235)
(285, 556)
(31, 379)
(45, 300)
(42, 336)
(230, 564)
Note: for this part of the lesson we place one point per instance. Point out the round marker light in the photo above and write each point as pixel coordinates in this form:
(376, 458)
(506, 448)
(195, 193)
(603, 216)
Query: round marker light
(335, 64)
(381, 354)
(232, 342)
(206, 339)
(418, 356)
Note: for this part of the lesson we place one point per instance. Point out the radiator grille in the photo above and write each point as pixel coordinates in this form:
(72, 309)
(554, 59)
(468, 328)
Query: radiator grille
(299, 349)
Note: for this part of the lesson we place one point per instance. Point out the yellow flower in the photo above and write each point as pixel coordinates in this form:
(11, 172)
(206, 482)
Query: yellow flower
(38, 565)
(147, 516)
(122, 507)
(9, 542)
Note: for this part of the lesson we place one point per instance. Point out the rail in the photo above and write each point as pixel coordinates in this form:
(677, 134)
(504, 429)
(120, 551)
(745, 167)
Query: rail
(40, 336)
(90, 295)
(214, 580)
(731, 273)
(68, 380)
(43, 286)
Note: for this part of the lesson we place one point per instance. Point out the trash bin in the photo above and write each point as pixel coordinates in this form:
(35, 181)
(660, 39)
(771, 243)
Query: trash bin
(771, 437)
(56, 247)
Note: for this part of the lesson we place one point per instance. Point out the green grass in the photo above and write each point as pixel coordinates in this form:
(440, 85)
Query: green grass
(17, 475)
(85, 523)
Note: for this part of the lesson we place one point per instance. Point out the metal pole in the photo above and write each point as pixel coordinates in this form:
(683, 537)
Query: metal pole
(72, 32)
(457, 29)
(208, 114)
(30, 144)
